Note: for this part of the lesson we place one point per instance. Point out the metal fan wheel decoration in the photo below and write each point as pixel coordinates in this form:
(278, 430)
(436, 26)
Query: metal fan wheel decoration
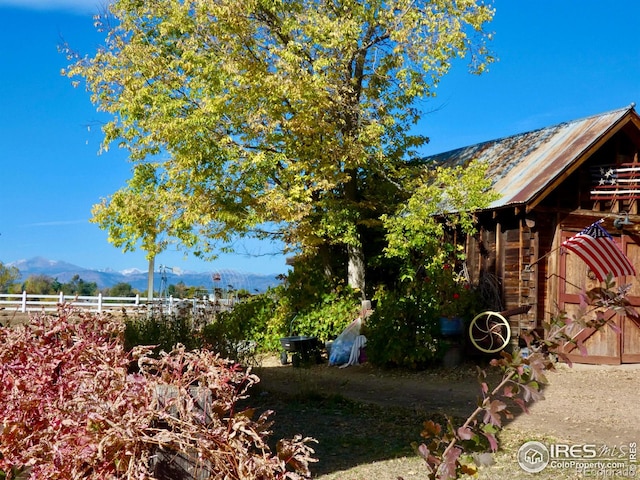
(489, 332)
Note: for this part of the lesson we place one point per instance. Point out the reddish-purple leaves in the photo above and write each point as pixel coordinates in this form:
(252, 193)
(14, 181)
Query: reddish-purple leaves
(70, 407)
(493, 411)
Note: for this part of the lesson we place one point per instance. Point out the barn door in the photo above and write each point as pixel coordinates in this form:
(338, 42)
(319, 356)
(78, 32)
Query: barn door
(604, 346)
(630, 344)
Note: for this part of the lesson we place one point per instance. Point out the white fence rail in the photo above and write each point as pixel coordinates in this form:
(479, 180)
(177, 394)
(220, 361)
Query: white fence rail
(29, 302)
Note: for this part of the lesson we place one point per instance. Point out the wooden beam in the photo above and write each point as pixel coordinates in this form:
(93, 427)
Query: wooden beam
(499, 251)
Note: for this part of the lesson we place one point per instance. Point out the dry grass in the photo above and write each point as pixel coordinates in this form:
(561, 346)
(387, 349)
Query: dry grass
(10, 317)
(363, 439)
(364, 442)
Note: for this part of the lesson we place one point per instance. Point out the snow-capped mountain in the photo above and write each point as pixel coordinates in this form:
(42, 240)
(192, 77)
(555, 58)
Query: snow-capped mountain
(225, 279)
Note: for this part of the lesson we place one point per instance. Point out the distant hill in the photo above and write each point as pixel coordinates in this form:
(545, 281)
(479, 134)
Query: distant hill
(64, 272)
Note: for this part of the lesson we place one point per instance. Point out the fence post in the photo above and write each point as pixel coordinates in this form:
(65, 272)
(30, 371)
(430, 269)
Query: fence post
(61, 298)
(100, 302)
(24, 302)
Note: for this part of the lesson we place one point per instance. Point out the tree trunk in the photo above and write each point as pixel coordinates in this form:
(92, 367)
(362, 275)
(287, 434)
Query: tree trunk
(356, 269)
(325, 257)
(355, 254)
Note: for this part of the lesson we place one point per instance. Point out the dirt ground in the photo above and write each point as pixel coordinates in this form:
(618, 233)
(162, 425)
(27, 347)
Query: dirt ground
(583, 404)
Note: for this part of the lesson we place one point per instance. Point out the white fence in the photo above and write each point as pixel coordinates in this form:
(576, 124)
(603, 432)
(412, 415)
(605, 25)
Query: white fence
(25, 302)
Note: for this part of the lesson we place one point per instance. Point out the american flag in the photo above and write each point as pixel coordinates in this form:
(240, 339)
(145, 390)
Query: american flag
(616, 182)
(600, 252)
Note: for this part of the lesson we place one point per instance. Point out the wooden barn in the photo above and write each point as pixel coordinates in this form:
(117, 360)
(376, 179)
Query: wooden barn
(553, 183)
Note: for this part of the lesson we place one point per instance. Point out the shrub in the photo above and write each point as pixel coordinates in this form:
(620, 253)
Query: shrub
(326, 319)
(247, 321)
(161, 330)
(73, 408)
(260, 320)
(278, 313)
(311, 302)
(403, 330)
(222, 332)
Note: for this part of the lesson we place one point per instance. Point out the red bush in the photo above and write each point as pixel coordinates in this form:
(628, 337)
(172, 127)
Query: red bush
(72, 408)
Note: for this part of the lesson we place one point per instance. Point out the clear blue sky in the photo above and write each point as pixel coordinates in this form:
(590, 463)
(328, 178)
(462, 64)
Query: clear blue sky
(559, 60)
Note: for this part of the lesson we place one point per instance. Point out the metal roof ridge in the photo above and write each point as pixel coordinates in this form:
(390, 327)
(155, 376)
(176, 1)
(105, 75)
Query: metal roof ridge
(629, 107)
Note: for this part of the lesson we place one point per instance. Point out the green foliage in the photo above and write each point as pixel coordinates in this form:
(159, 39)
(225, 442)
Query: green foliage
(180, 290)
(287, 114)
(228, 333)
(422, 231)
(281, 312)
(403, 330)
(160, 330)
(452, 293)
(8, 275)
(305, 285)
(247, 322)
(327, 318)
(225, 336)
(423, 238)
(305, 304)
(42, 284)
(121, 289)
(312, 303)
(77, 286)
(46, 285)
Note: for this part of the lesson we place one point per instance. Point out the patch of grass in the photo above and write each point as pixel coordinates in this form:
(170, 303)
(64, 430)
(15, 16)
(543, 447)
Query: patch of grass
(348, 433)
(362, 441)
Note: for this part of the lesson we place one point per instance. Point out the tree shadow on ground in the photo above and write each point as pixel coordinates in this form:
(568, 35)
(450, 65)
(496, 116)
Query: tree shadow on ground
(362, 415)
(348, 433)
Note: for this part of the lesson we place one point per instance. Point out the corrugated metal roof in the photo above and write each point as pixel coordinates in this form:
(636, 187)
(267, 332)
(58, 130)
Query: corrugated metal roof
(522, 165)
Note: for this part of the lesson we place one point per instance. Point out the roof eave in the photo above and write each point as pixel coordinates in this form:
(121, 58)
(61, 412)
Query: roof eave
(629, 117)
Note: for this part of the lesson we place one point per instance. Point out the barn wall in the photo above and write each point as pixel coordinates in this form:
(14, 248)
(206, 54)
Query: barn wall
(503, 250)
(545, 267)
(529, 279)
(522, 255)
(482, 264)
(519, 245)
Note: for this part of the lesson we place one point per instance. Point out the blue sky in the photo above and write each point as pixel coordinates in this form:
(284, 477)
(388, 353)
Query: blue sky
(558, 60)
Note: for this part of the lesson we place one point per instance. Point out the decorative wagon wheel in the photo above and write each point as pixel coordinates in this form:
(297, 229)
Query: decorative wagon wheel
(489, 332)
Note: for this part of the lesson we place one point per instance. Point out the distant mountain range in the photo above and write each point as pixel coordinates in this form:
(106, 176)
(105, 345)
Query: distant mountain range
(224, 279)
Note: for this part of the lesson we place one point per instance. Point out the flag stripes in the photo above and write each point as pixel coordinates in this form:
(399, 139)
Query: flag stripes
(600, 252)
(615, 182)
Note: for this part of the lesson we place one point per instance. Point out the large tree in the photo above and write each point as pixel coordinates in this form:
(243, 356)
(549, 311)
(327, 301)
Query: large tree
(269, 117)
